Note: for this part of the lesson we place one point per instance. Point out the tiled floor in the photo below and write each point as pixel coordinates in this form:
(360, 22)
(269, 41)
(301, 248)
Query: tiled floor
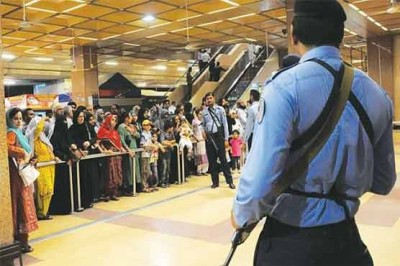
(185, 225)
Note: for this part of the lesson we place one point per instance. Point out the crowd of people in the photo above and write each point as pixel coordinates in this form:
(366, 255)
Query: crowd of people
(71, 132)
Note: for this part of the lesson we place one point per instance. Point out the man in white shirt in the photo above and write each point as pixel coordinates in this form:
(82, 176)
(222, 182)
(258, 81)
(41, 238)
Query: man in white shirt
(251, 117)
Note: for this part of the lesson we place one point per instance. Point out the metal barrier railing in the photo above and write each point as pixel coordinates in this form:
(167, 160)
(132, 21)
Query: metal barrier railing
(181, 172)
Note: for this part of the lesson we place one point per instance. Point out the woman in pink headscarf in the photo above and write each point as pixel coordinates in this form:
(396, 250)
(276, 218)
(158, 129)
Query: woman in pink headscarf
(108, 131)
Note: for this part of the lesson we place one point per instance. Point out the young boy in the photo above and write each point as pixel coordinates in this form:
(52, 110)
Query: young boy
(167, 139)
(154, 157)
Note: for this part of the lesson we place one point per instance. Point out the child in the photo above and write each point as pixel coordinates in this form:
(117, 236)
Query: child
(146, 144)
(154, 156)
(186, 135)
(236, 148)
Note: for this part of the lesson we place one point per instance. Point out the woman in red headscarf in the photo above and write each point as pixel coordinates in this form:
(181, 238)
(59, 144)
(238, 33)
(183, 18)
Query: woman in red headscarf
(108, 131)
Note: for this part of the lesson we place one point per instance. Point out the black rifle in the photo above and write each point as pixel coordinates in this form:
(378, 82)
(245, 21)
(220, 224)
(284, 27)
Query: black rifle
(238, 238)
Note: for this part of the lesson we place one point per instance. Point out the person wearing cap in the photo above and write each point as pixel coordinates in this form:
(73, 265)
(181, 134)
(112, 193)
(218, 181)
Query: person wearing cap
(312, 221)
(145, 142)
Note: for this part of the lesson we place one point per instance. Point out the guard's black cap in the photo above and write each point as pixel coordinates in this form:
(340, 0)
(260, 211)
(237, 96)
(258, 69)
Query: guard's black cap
(320, 9)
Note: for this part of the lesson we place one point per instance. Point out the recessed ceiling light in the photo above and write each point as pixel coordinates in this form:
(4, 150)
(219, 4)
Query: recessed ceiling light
(209, 23)
(32, 2)
(111, 63)
(7, 56)
(160, 67)
(131, 44)
(148, 18)
(230, 2)
(44, 59)
(156, 35)
(181, 69)
(42, 10)
(73, 8)
(141, 84)
(9, 82)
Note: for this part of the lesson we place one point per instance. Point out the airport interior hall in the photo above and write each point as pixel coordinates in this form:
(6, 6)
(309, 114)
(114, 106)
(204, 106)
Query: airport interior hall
(199, 132)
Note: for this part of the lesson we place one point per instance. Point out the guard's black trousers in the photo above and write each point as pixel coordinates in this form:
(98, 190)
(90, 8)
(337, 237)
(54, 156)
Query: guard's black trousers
(329, 245)
(213, 156)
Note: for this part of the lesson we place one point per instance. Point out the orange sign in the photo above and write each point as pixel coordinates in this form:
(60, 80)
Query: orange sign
(40, 101)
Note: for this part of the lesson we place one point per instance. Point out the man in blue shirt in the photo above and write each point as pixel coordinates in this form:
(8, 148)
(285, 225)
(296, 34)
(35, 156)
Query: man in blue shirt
(304, 226)
(216, 127)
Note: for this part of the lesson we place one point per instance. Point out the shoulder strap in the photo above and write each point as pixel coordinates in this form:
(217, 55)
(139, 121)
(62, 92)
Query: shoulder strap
(321, 137)
(214, 117)
(365, 120)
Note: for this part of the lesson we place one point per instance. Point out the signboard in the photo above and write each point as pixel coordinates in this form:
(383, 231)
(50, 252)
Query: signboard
(34, 101)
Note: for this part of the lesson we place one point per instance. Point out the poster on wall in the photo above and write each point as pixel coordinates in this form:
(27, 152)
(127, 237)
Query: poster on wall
(41, 101)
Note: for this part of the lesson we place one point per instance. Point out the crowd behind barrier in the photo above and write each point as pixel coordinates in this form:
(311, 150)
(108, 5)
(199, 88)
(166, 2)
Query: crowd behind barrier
(122, 153)
(181, 172)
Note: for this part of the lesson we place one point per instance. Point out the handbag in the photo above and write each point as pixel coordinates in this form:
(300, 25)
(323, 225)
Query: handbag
(76, 154)
(27, 172)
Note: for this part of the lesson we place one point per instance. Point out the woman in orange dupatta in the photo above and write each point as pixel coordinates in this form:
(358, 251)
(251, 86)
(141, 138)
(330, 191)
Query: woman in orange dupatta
(114, 163)
(23, 205)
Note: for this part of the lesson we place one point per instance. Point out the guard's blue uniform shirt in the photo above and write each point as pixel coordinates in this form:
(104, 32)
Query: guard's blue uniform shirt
(211, 126)
(293, 101)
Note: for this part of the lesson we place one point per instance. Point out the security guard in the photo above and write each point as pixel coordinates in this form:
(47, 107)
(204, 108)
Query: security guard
(216, 127)
(312, 222)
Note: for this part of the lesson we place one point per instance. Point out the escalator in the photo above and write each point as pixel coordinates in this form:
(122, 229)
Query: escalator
(179, 89)
(253, 77)
(235, 62)
(234, 86)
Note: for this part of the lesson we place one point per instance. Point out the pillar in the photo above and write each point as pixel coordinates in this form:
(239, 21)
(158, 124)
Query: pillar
(6, 225)
(380, 62)
(84, 76)
(396, 76)
(289, 17)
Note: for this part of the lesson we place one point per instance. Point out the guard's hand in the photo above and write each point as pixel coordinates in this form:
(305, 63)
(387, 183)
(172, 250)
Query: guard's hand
(233, 221)
(226, 145)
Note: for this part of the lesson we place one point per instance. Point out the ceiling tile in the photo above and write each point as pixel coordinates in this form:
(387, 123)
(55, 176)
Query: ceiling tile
(11, 24)
(65, 20)
(121, 17)
(98, 35)
(91, 11)
(24, 34)
(55, 5)
(121, 29)
(31, 15)
(210, 6)
(182, 3)
(42, 28)
(120, 3)
(94, 25)
(33, 44)
(249, 19)
(70, 32)
(6, 8)
(177, 14)
(151, 8)
(51, 38)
